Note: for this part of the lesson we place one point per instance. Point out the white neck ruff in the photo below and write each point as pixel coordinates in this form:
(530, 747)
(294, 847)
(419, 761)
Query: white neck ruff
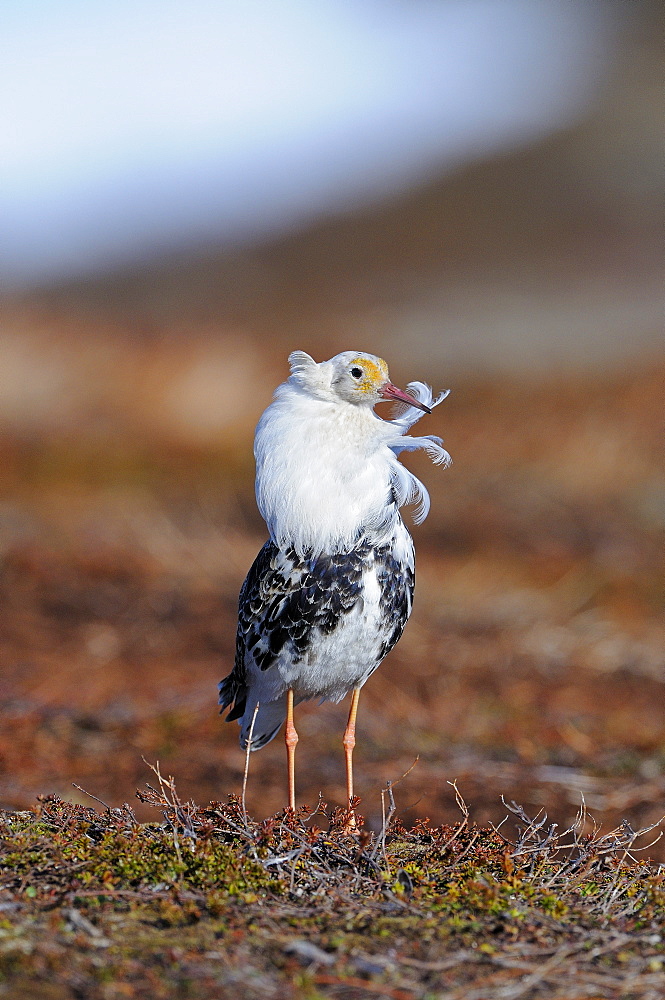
(327, 473)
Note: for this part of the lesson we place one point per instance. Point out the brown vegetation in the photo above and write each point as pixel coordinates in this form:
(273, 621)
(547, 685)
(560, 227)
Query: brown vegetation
(210, 902)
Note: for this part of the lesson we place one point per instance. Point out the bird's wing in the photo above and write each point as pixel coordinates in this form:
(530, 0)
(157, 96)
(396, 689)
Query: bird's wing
(285, 601)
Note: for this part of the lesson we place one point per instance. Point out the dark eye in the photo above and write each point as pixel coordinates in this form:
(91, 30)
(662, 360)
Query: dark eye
(357, 372)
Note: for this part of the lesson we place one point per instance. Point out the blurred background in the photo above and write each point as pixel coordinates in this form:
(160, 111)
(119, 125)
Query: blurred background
(472, 190)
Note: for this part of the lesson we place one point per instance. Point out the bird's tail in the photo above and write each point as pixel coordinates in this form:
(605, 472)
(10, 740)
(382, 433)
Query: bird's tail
(269, 717)
(266, 725)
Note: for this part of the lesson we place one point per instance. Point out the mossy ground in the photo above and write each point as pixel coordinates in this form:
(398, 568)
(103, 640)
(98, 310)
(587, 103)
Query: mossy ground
(209, 903)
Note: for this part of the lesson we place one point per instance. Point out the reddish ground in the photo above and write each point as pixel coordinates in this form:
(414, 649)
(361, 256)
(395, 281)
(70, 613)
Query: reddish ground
(532, 668)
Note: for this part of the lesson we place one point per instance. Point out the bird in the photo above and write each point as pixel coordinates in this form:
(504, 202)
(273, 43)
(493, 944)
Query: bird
(331, 590)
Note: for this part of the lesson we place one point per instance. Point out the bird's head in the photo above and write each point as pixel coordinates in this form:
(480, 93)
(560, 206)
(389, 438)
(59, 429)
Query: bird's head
(361, 379)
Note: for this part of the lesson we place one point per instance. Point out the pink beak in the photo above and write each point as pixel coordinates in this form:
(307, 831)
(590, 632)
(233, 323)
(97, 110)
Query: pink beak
(390, 391)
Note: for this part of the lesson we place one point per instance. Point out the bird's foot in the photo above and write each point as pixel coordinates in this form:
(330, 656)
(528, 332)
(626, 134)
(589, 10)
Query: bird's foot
(352, 821)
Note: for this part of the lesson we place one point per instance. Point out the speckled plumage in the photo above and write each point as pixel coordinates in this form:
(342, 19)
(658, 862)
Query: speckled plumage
(297, 616)
(329, 594)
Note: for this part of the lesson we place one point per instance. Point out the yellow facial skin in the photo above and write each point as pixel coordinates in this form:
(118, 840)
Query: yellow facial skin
(375, 374)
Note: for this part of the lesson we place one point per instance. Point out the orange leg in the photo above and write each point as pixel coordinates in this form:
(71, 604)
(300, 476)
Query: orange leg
(349, 742)
(291, 738)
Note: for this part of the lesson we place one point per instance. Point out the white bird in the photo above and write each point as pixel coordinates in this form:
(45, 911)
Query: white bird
(330, 592)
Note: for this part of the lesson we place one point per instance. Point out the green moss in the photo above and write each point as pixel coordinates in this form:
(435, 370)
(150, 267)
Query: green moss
(207, 899)
(140, 856)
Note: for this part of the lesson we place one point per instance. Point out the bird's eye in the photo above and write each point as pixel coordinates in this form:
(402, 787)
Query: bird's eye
(357, 372)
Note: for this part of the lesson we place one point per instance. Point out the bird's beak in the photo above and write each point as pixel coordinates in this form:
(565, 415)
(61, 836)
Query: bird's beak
(390, 391)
